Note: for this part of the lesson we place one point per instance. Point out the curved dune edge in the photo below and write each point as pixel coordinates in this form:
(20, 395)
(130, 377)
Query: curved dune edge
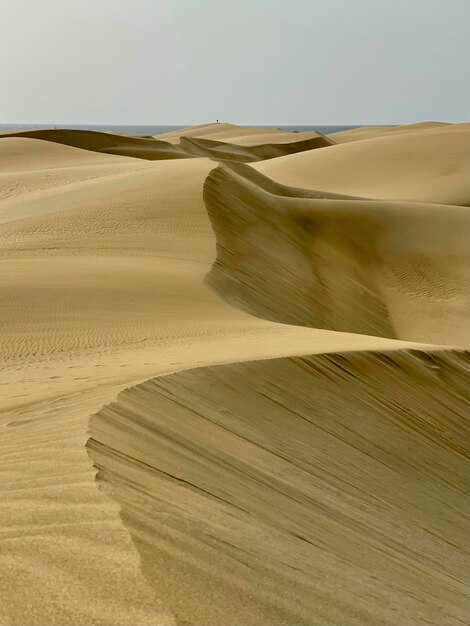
(245, 135)
(421, 165)
(108, 143)
(103, 262)
(392, 269)
(149, 148)
(326, 489)
(246, 154)
(101, 288)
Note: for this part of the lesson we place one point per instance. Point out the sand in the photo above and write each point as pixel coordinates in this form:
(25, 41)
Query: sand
(231, 133)
(428, 165)
(234, 395)
(237, 144)
(369, 132)
(390, 269)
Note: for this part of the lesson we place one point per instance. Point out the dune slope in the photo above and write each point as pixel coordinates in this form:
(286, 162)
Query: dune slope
(315, 490)
(231, 133)
(430, 165)
(368, 132)
(102, 264)
(150, 148)
(392, 269)
(30, 168)
(109, 143)
(254, 471)
(220, 150)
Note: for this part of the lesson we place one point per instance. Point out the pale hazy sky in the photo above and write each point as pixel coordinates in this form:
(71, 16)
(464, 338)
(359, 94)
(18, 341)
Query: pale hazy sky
(243, 61)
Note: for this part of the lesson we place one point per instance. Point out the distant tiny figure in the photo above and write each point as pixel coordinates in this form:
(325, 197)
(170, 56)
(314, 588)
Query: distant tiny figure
(217, 121)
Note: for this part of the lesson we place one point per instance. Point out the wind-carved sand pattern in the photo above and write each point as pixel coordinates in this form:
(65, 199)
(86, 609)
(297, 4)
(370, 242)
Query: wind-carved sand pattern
(325, 489)
(393, 269)
(290, 444)
(313, 490)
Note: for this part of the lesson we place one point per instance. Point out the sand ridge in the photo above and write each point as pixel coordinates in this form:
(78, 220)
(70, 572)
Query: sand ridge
(278, 491)
(252, 466)
(428, 165)
(253, 146)
(108, 143)
(398, 270)
(231, 133)
(220, 150)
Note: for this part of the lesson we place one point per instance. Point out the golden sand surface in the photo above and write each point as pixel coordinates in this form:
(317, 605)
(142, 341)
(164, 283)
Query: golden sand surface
(232, 143)
(234, 393)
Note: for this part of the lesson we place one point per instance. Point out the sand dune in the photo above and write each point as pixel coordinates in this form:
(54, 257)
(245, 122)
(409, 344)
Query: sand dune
(153, 149)
(369, 132)
(108, 143)
(299, 474)
(392, 269)
(249, 153)
(317, 490)
(230, 133)
(28, 166)
(102, 286)
(423, 166)
(19, 154)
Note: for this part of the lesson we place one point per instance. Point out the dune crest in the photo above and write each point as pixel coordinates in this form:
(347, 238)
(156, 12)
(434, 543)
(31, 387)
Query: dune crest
(259, 468)
(311, 490)
(220, 150)
(430, 165)
(231, 133)
(153, 149)
(108, 143)
(398, 270)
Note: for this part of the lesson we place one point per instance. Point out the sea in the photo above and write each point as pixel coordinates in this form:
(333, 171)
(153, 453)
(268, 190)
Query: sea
(138, 130)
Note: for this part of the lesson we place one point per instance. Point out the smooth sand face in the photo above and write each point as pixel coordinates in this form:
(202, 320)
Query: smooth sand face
(321, 490)
(369, 132)
(428, 165)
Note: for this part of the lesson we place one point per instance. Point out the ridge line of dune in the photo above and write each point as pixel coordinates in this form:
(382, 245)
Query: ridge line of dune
(151, 148)
(249, 470)
(227, 475)
(313, 259)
